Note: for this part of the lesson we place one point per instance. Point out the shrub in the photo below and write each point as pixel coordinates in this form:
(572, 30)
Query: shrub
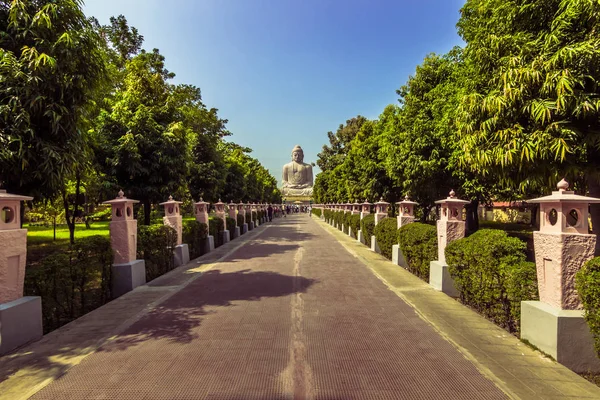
(492, 275)
(254, 216)
(317, 212)
(194, 233)
(230, 227)
(216, 227)
(386, 233)
(155, 246)
(367, 225)
(354, 222)
(328, 215)
(418, 243)
(240, 221)
(587, 283)
(72, 281)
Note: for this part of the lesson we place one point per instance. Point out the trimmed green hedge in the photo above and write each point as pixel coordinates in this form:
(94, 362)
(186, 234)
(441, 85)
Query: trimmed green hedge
(367, 225)
(492, 275)
(354, 222)
(587, 283)
(386, 233)
(230, 226)
(254, 216)
(216, 227)
(240, 222)
(155, 246)
(194, 234)
(72, 281)
(418, 243)
(317, 212)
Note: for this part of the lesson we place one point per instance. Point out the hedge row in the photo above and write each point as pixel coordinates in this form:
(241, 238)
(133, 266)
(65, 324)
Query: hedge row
(71, 281)
(367, 226)
(195, 233)
(231, 224)
(418, 243)
(317, 212)
(216, 228)
(386, 233)
(492, 275)
(155, 246)
(587, 283)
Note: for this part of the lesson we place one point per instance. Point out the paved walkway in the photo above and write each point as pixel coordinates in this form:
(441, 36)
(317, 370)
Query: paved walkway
(289, 311)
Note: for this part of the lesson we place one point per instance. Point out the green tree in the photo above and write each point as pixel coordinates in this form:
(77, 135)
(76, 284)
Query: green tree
(532, 113)
(333, 154)
(51, 62)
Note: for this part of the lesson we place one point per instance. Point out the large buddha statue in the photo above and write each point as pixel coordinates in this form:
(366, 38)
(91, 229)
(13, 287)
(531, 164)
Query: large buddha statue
(297, 176)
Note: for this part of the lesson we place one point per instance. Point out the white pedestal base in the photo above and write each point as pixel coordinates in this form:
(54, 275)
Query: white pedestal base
(225, 236)
(181, 255)
(210, 244)
(563, 334)
(20, 322)
(440, 279)
(128, 276)
(398, 257)
(361, 237)
(374, 246)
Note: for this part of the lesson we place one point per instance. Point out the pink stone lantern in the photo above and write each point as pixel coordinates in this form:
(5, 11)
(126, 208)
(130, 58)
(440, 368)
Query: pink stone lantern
(366, 209)
(556, 323)
(355, 208)
(232, 213)
(241, 210)
(123, 229)
(450, 226)
(127, 272)
(406, 211)
(172, 216)
(220, 211)
(562, 245)
(381, 210)
(201, 211)
(14, 247)
(20, 317)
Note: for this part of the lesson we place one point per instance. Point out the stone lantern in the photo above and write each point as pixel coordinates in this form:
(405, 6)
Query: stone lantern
(20, 317)
(355, 208)
(201, 213)
(406, 212)
(242, 211)
(450, 227)
(173, 219)
(233, 214)
(366, 209)
(220, 211)
(563, 244)
(381, 210)
(406, 215)
(127, 272)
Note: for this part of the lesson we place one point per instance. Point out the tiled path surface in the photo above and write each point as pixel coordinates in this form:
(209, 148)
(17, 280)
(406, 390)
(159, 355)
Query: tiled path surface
(289, 315)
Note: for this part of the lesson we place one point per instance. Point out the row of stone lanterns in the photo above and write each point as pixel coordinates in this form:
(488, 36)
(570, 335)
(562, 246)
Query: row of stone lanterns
(555, 324)
(21, 317)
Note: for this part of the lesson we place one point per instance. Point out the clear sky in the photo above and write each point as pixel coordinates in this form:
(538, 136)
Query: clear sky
(285, 72)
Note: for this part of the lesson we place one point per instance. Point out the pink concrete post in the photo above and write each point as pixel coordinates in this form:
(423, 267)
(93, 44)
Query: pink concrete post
(406, 212)
(220, 211)
(450, 226)
(20, 317)
(381, 210)
(556, 323)
(355, 208)
(232, 213)
(123, 229)
(172, 217)
(562, 245)
(13, 248)
(201, 211)
(241, 211)
(366, 209)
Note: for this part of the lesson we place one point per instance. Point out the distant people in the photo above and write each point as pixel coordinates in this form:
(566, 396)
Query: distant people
(270, 213)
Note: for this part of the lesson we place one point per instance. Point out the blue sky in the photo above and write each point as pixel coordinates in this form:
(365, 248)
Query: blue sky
(285, 72)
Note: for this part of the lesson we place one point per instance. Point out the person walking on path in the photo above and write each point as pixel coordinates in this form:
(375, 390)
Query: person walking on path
(270, 213)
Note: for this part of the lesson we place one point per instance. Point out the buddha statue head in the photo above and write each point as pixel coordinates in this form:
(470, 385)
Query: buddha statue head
(298, 154)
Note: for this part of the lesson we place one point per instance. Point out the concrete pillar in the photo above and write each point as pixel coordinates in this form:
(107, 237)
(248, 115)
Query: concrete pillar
(249, 216)
(172, 218)
(201, 213)
(381, 212)
(450, 227)
(127, 272)
(20, 317)
(555, 324)
(220, 211)
(406, 215)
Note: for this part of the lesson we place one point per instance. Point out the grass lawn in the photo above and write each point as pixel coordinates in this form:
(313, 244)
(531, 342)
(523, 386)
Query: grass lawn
(40, 239)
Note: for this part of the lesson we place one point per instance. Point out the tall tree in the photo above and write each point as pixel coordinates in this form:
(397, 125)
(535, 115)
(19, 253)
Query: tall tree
(333, 154)
(51, 61)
